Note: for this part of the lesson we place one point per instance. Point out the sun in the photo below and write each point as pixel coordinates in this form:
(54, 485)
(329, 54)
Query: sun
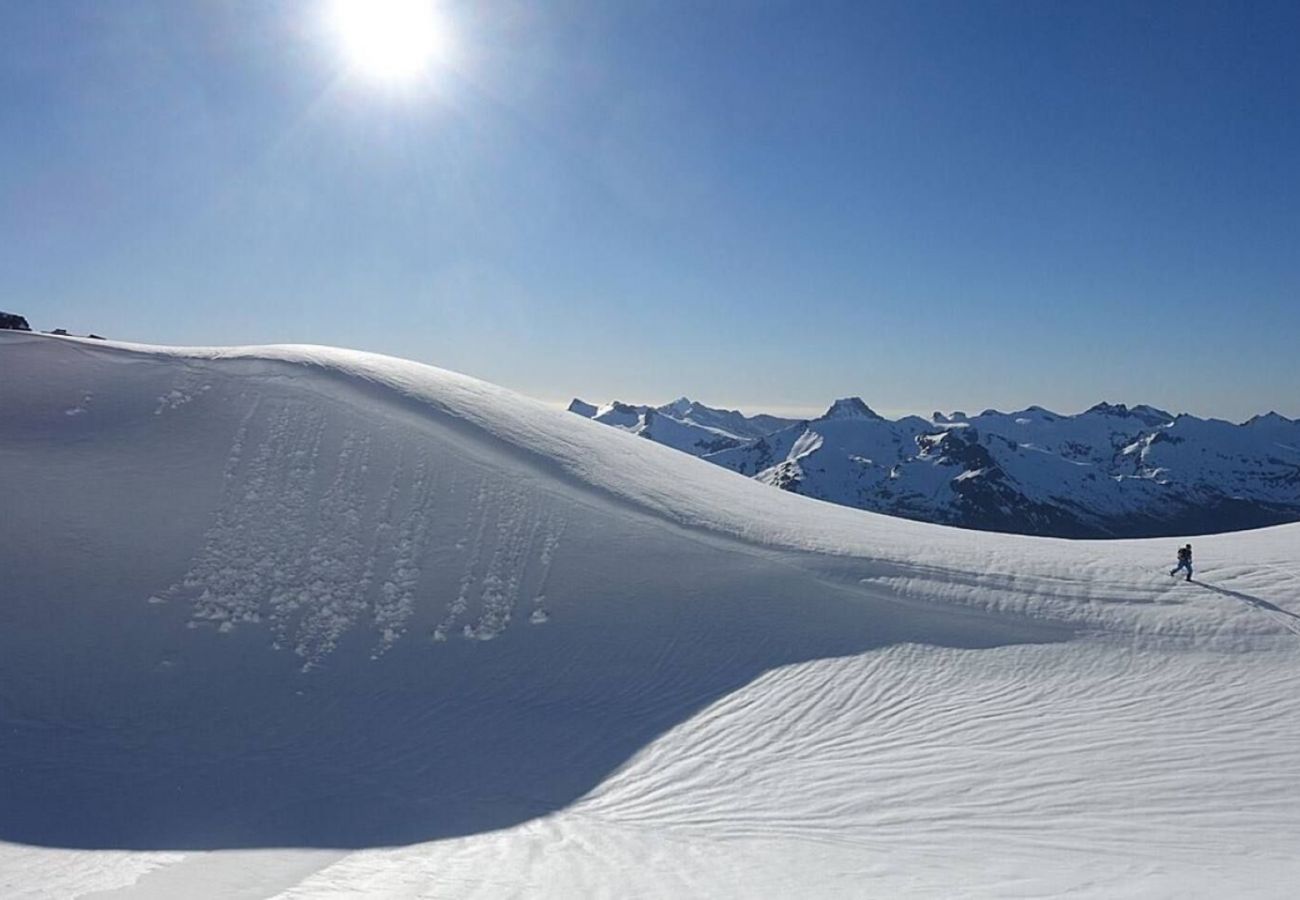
(389, 40)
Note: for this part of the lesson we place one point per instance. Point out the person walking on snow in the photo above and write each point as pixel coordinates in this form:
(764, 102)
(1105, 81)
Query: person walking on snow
(1184, 561)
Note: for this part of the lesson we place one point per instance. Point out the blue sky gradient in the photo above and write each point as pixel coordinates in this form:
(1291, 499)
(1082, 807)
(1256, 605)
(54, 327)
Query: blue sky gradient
(763, 204)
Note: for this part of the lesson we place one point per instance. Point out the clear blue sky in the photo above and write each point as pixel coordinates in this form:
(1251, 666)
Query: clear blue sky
(768, 204)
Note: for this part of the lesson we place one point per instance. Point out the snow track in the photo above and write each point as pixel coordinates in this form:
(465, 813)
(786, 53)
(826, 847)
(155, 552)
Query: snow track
(297, 622)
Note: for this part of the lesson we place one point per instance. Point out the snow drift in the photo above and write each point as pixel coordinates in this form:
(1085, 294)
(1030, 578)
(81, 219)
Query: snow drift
(296, 597)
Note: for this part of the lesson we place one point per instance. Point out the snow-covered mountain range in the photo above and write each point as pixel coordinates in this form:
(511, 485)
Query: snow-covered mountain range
(685, 424)
(1110, 471)
(299, 622)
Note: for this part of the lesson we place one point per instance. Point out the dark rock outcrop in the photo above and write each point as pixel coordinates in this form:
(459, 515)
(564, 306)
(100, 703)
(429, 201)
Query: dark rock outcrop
(13, 322)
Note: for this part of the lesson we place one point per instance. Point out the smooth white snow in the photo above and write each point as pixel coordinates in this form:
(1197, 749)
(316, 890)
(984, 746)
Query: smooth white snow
(303, 622)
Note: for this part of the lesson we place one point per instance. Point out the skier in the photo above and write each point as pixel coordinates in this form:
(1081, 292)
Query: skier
(1184, 561)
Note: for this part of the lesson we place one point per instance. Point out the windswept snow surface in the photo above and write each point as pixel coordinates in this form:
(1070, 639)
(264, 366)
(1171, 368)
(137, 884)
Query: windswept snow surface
(302, 622)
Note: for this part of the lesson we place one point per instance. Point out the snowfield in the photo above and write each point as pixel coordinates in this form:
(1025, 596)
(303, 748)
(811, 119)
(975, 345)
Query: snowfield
(298, 622)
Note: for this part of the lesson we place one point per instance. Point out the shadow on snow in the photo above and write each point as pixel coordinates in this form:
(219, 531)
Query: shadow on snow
(227, 744)
(134, 725)
(1288, 619)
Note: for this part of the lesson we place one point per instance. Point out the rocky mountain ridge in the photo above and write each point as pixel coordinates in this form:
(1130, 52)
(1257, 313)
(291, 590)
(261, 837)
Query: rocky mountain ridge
(1110, 471)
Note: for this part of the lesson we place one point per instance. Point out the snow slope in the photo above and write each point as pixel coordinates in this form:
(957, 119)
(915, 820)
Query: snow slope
(302, 622)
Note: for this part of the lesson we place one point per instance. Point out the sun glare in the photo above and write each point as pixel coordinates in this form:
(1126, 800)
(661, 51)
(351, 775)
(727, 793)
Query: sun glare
(389, 40)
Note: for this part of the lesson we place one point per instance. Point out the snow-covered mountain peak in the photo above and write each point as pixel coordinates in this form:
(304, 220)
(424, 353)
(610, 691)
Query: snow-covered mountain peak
(1036, 414)
(849, 408)
(1147, 415)
(1152, 415)
(679, 407)
(1270, 418)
